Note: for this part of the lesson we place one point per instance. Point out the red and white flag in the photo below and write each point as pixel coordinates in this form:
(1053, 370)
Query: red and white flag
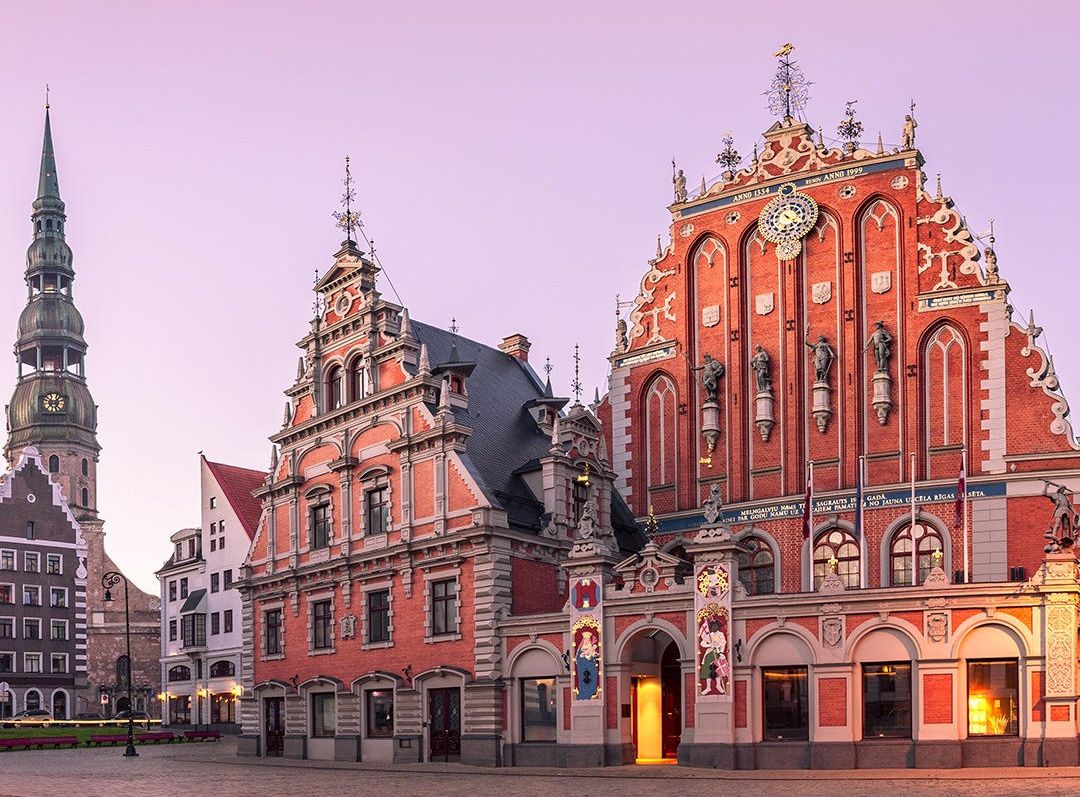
(961, 497)
(808, 505)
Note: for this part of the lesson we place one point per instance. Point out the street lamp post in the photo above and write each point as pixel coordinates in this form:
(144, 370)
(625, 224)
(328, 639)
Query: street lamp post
(108, 581)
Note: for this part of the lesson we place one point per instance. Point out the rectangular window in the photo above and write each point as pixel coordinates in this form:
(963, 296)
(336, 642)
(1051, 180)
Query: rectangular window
(30, 536)
(213, 544)
(322, 625)
(887, 700)
(273, 632)
(786, 703)
(58, 630)
(993, 698)
(226, 621)
(221, 543)
(7, 627)
(31, 595)
(54, 564)
(183, 588)
(31, 628)
(7, 560)
(538, 710)
(215, 623)
(379, 704)
(172, 630)
(58, 662)
(443, 608)
(215, 582)
(31, 562)
(7, 593)
(213, 528)
(193, 630)
(378, 616)
(172, 590)
(223, 708)
(178, 553)
(7, 662)
(320, 526)
(221, 528)
(323, 721)
(31, 662)
(58, 597)
(378, 510)
(226, 579)
(180, 710)
(213, 501)
(191, 549)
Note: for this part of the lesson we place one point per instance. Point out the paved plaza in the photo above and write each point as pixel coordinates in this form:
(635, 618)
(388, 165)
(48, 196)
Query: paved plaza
(204, 770)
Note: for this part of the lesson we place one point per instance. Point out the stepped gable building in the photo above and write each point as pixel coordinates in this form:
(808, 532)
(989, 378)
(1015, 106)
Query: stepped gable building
(52, 410)
(201, 618)
(422, 488)
(42, 594)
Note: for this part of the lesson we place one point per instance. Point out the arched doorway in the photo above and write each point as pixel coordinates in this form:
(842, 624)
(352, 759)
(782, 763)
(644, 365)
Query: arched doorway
(122, 704)
(655, 696)
(59, 705)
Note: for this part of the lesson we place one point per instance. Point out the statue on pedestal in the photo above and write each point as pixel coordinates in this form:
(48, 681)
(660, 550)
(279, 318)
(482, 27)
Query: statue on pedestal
(1063, 525)
(881, 342)
(823, 358)
(711, 374)
(762, 369)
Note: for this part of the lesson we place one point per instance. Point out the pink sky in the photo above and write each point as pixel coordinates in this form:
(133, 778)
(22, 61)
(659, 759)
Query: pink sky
(512, 167)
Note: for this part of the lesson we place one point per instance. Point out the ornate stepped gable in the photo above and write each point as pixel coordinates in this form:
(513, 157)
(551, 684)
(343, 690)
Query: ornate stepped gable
(885, 246)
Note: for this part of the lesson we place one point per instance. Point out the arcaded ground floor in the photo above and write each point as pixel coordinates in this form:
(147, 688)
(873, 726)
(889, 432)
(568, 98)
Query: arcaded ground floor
(170, 771)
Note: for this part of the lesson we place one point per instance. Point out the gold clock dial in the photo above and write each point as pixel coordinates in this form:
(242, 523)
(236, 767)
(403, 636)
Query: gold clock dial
(787, 219)
(53, 402)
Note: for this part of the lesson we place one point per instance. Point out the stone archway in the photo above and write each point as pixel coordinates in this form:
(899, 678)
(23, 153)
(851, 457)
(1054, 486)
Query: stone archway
(651, 661)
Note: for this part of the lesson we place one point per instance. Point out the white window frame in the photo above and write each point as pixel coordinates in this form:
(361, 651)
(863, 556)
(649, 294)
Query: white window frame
(58, 672)
(34, 588)
(32, 620)
(59, 558)
(14, 594)
(67, 630)
(387, 586)
(64, 590)
(32, 556)
(14, 627)
(431, 576)
(312, 599)
(14, 662)
(14, 559)
(263, 655)
(27, 658)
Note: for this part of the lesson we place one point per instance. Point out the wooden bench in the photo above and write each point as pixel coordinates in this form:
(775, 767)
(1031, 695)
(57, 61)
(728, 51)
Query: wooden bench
(107, 738)
(40, 742)
(155, 737)
(202, 736)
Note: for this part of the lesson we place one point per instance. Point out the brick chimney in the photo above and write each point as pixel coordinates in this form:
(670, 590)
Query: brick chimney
(516, 345)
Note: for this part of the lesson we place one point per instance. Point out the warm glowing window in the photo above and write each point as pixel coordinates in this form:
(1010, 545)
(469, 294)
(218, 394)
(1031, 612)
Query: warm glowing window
(538, 710)
(837, 548)
(993, 698)
(786, 703)
(887, 700)
(928, 540)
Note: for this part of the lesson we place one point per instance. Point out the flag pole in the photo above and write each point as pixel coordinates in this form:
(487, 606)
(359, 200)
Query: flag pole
(860, 522)
(810, 529)
(914, 540)
(963, 465)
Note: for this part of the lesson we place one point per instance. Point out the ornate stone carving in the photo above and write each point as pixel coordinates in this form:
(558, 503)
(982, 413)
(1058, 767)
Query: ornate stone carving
(821, 292)
(937, 626)
(822, 356)
(1044, 376)
(1060, 644)
(1061, 532)
(710, 315)
(713, 504)
(881, 281)
(763, 303)
(832, 632)
(763, 399)
(711, 374)
(348, 626)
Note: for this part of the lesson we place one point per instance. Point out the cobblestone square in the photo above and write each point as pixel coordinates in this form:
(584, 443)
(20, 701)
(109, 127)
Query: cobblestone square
(205, 769)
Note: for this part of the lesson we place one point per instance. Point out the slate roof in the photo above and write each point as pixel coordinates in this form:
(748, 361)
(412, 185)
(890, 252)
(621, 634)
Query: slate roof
(238, 484)
(506, 441)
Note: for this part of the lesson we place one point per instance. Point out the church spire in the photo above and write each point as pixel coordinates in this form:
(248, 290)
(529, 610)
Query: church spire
(48, 185)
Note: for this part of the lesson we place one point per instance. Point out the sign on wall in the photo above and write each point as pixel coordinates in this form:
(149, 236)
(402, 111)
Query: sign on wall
(712, 634)
(586, 623)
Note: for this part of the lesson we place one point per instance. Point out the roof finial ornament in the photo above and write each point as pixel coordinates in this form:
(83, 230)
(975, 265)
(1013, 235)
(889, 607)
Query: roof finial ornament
(318, 305)
(820, 139)
(991, 256)
(788, 91)
(622, 341)
(659, 250)
(880, 144)
(548, 392)
(1032, 331)
(753, 158)
(850, 128)
(704, 189)
(423, 366)
(678, 179)
(729, 157)
(907, 136)
(939, 195)
(575, 386)
(47, 106)
(347, 220)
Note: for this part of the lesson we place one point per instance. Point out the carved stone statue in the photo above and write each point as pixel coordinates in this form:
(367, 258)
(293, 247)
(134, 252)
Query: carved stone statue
(1063, 525)
(823, 358)
(991, 263)
(586, 527)
(762, 369)
(711, 373)
(679, 179)
(621, 341)
(907, 137)
(881, 342)
(713, 504)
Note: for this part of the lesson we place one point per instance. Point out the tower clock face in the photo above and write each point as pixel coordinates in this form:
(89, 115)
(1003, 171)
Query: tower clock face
(787, 219)
(53, 402)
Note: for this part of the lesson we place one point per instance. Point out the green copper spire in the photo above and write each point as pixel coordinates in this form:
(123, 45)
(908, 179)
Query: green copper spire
(48, 185)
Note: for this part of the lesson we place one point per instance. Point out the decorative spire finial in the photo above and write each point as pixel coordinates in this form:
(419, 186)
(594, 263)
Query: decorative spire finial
(347, 220)
(575, 386)
(659, 250)
(547, 368)
(850, 128)
(47, 96)
(939, 196)
(729, 157)
(318, 304)
(880, 144)
(423, 367)
(788, 91)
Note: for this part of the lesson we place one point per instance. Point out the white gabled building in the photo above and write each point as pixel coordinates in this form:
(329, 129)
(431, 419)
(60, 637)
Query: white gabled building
(201, 645)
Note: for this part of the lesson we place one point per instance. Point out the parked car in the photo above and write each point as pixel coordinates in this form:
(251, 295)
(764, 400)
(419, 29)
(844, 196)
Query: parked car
(137, 717)
(34, 717)
(90, 716)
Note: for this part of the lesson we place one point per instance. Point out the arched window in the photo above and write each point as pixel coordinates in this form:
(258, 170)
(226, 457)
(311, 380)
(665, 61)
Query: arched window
(660, 415)
(357, 379)
(33, 700)
(945, 394)
(756, 567)
(123, 669)
(334, 398)
(842, 546)
(928, 539)
(85, 467)
(222, 669)
(54, 464)
(180, 672)
(59, 706)
(85, 497)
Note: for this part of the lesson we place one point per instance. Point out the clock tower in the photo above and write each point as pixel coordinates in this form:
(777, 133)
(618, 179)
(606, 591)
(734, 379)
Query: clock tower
(52, 408)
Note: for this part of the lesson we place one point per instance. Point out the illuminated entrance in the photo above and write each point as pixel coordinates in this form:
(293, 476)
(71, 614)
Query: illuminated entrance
(655, 698)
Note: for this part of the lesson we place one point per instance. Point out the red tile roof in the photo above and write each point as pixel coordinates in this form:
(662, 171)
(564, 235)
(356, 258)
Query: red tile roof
(238, 484)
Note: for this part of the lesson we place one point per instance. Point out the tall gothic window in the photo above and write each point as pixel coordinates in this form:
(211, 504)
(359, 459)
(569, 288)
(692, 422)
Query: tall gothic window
(841, 546)
(123, 669)
(944, 394)
(334, 398)
(357, 379)
(928, 539)
(756, 567)
(660, 415)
